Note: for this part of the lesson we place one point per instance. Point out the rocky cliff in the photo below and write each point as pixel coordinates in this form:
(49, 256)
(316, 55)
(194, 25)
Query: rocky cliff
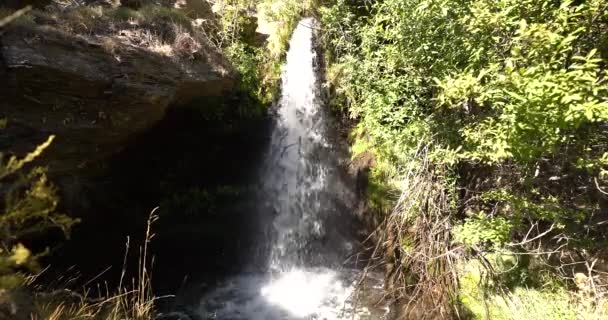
(146, 112)
(96, 86)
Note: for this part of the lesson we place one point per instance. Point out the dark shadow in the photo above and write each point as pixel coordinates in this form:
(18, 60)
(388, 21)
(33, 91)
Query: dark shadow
(198, 168)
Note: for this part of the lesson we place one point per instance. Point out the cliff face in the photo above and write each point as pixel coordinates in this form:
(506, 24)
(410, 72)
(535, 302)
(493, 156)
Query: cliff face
(146, 112)
(96, 91)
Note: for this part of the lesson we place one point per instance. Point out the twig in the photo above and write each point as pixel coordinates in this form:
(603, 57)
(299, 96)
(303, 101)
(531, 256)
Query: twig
(526, 240)
(597, 185)
(14, 16)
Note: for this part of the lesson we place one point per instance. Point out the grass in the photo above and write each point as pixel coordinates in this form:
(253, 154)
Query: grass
(133, 300)
(153, 14)
(165, 31)
(525, 301)
(124, 14)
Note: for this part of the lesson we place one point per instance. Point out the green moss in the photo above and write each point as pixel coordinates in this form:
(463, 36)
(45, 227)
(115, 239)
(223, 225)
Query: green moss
(88, 12)
(359, 145)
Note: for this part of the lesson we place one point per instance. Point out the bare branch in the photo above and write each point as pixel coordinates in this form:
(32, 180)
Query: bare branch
(14, 16)
(526, 240)
(597, 185)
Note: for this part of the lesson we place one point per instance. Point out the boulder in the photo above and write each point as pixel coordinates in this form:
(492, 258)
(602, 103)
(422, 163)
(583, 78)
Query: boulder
(174, 315)
(93, 97)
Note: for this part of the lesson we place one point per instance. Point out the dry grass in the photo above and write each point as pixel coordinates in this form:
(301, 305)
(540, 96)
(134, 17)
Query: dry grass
(165, 31)
(414, 245)
(133, 300)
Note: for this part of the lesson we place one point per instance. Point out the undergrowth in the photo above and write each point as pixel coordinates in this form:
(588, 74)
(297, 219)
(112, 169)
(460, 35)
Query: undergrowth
(509, 102)
(31, 205)
(132, 300)
(258, 63)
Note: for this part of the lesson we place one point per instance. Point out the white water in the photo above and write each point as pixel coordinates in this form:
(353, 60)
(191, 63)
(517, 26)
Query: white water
(311, 231)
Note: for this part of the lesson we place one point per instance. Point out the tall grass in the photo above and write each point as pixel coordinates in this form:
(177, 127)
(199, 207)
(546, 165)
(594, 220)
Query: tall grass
(414, 245)
(132, 300)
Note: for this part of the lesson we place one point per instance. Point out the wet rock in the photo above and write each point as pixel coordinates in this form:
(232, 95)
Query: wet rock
(175, 315)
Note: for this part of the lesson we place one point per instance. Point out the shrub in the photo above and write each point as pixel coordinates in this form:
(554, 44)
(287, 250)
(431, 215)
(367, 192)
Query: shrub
(508, 97)
(30, 206)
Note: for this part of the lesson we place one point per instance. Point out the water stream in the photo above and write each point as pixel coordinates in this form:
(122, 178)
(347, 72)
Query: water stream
(299, 269)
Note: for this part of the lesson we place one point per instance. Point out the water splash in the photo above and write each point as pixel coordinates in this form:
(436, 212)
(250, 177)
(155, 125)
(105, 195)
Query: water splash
(303, 293)
(298, 294)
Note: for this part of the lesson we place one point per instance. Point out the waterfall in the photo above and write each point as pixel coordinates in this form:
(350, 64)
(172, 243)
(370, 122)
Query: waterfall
(307, 207)
(301, 179)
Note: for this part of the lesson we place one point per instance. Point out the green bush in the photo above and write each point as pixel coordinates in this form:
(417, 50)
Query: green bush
(510, 96)
(259, 67)
(508, 82)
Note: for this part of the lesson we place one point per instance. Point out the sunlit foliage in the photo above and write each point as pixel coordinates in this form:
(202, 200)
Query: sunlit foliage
(509, 96)
(30, 206)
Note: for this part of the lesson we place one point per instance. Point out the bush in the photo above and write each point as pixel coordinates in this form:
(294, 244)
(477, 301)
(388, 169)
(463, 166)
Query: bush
(30, 206)
(260, 67)
(508, 97)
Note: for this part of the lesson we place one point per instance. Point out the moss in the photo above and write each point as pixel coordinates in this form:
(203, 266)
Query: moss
(83, 19)
(381, 188)
(87, 12)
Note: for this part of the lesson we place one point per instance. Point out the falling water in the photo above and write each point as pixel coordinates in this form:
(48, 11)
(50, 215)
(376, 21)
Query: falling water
(307, 205)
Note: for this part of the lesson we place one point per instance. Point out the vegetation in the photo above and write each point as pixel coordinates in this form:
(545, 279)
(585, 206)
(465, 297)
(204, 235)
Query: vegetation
(490, 118)
(134, 300)
(258, 63)
(33, 204)
(30, 206)
(487, 121)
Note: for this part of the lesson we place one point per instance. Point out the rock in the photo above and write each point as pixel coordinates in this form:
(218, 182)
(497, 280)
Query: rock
(360, 168)
(17, 4)
(173, 316)
(94, 97)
